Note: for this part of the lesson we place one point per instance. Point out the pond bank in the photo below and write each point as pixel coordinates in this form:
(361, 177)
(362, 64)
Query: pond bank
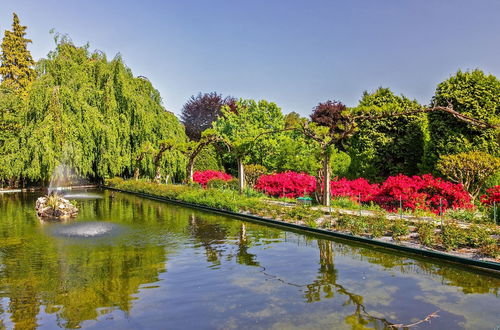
(455, 257)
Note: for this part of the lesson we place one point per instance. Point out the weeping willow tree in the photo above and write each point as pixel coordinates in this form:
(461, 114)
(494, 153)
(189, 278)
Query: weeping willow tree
(93, 115)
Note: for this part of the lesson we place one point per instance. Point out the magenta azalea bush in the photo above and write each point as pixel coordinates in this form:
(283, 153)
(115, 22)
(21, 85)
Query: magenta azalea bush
(421, 192)
(202, 177)
(288, 184)
(492, 196)
(416, 192)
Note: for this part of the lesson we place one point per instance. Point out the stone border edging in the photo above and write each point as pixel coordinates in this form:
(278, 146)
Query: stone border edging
(484, 265)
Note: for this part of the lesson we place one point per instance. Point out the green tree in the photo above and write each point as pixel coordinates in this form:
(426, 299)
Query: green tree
(471, 169)
(473, 94)
(11, 105)
(391, 145)
(250, 133)
(94, 116)
(17, 64)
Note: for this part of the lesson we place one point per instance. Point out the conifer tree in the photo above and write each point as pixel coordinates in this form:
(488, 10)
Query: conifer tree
(17, 64)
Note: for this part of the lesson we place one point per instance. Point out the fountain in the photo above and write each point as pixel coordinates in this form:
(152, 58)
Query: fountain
(55, 206)
(86, 229)
(61, 179)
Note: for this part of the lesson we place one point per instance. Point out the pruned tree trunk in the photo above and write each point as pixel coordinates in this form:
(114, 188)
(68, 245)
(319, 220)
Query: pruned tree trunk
(190, 169)
(326, 180)
(136, 173)
(241, 175)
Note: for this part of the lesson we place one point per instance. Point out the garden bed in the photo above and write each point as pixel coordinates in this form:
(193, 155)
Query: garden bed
(477, 247)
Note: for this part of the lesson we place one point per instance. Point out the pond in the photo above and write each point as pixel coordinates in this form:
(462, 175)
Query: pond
(131, 263)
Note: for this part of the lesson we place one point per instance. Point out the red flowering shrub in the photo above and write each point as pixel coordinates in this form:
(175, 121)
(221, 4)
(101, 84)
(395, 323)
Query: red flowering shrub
(417, 192)
(202, 177)
(359, 189)
(421, 192)
(492, 195)
(287, 184)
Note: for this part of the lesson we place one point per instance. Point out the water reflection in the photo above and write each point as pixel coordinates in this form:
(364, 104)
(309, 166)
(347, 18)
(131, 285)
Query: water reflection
(169, 255)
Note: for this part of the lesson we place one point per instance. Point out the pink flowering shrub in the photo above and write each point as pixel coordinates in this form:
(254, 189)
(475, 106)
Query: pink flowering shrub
(358, 189)
(287, 184)
(202, 177)
(492, 195)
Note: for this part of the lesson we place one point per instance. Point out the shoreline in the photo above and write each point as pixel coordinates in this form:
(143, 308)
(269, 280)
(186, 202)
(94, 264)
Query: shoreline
(33, 189)
(456, 258)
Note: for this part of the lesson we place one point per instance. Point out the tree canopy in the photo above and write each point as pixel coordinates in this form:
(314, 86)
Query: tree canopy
(17, 64)
(92, 115)
(202, 110)
(472, 93)
(391, 145)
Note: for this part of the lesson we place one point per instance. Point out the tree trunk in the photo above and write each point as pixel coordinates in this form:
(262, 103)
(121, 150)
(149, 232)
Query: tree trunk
(157, 178)
(241, 175)
(136, 173)
(326, 180)
(190, 169)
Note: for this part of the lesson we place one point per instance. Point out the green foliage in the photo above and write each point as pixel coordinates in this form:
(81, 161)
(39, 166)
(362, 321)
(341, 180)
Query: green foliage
(471, 93)
(355, 224)
(208, 159)
(217, 183)
(17, 64)
(472, 169)
(391, 145)
(378, 226)
(426, 233)
(253, 172)
(453, 236)
(250, 131)
(93, 115)
(226, 199)
(345, 203)
(478, 236)
(399, 228)
(467, 215)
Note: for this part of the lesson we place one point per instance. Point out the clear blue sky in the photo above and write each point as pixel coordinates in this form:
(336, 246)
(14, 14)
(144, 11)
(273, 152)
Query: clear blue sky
(295, 53)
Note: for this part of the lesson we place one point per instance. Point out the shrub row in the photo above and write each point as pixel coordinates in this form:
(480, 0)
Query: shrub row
(417, 192)
(451, 237)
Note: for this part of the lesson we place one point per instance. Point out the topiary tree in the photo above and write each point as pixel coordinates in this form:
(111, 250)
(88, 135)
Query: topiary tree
(387, 146)
(471, 169)
(473, 94)
(332, 124)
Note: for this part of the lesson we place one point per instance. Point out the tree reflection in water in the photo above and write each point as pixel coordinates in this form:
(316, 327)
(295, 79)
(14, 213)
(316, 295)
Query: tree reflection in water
(77, 281)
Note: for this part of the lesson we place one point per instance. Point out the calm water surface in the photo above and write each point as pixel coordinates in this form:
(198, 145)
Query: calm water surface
(132, 263)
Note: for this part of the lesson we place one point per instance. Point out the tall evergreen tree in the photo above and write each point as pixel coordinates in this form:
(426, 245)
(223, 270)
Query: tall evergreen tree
(17, 64)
